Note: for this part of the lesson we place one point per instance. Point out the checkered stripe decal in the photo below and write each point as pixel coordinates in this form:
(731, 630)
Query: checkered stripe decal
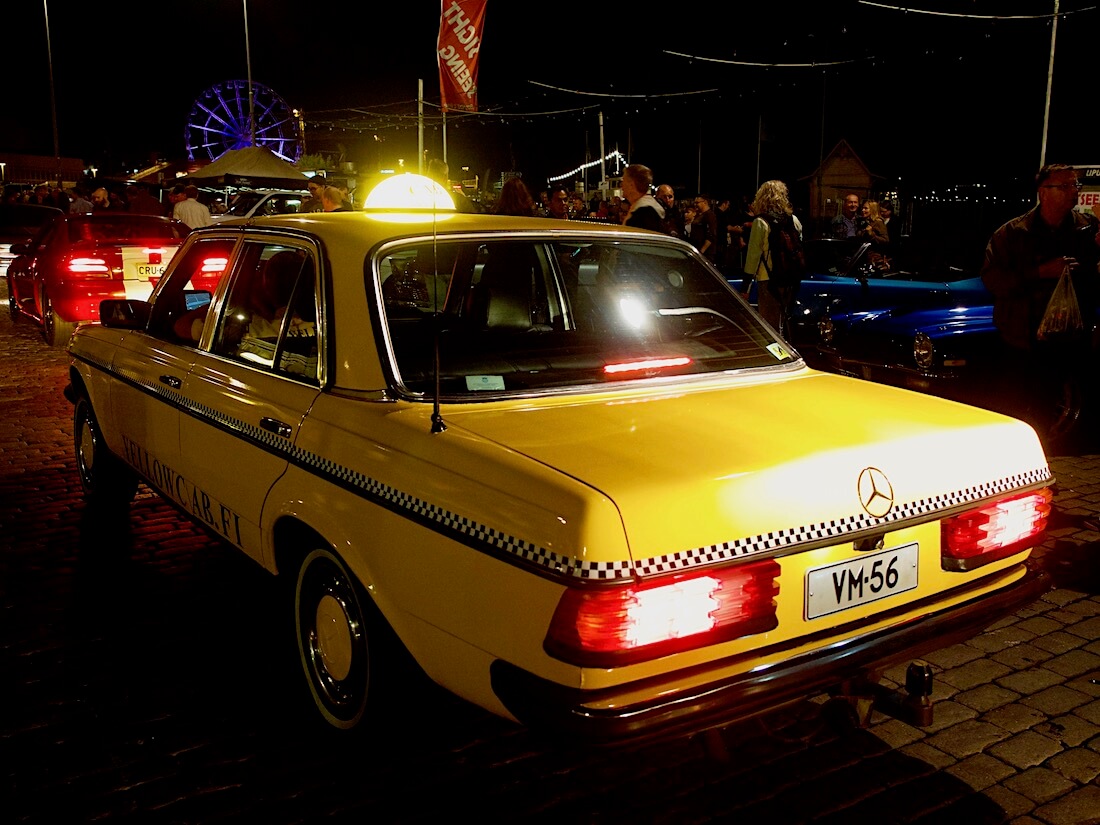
(837, 529)
(494, 540)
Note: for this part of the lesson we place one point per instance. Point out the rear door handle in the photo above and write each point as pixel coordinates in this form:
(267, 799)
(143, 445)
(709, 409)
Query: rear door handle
(274, 426)
(171, 381)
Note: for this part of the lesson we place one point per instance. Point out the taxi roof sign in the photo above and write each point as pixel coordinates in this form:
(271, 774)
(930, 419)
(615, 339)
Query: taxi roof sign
(409, 192)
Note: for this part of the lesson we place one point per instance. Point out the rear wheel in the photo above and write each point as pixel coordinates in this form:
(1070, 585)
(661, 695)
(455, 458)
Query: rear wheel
(106, 481)
(1056, 414)
(337, 639)
(56, 330)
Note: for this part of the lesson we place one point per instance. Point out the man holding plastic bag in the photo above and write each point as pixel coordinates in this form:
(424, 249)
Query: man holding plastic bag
(1042, 270)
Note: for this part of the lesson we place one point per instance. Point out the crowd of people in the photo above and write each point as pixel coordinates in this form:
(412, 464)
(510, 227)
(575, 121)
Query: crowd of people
(134, 198)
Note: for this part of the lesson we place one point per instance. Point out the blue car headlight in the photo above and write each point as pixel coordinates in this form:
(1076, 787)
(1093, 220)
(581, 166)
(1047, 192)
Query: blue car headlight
(924, 351)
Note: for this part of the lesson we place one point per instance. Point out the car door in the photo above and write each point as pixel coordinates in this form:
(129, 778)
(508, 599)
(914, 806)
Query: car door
(256, 378)
(153, 365)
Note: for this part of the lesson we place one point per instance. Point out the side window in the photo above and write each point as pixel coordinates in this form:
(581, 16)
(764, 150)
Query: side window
(270, 313)
(181, 303)
(415, 279)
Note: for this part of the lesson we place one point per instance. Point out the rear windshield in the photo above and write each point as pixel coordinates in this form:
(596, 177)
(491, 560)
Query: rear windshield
(122, 228)
(532, 315)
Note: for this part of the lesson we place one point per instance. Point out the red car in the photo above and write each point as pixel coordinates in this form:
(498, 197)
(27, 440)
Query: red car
(76, 261)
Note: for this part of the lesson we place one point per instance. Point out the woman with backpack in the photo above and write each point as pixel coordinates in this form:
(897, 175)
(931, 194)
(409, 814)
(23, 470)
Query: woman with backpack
(774, 255)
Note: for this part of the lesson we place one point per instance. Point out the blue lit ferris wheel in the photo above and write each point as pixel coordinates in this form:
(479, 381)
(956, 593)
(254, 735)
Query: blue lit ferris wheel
(219, 121)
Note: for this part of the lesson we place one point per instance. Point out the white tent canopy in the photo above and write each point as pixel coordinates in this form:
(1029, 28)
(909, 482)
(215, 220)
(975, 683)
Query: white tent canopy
(252, 166)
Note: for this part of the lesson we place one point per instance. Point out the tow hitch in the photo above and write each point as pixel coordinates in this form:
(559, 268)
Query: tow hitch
(912, 704)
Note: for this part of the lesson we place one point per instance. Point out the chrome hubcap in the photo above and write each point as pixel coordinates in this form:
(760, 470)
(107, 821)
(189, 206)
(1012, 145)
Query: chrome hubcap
(333, 640)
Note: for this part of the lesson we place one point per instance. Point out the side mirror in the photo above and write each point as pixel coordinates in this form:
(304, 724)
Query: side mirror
(124, 313)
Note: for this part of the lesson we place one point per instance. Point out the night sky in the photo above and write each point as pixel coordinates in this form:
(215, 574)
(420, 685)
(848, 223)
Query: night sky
(696, 91)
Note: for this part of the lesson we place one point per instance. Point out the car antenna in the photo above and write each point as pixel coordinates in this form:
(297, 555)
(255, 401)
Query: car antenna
(438, 424)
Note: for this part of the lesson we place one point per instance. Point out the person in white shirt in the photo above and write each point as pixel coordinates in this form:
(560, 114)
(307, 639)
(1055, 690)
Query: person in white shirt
(190, 211)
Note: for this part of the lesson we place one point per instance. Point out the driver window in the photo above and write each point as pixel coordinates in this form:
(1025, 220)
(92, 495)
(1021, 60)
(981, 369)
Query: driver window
(270, 315)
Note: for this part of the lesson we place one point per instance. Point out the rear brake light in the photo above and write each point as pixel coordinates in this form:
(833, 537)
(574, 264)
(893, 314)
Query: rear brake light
(620, 625)
(212, 265)
(154, 256)
(647, 365)
(89, 266)
(994, 531)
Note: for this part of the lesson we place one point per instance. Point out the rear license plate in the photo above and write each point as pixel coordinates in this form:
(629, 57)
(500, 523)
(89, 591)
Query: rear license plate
(861, 580)
(149, 270)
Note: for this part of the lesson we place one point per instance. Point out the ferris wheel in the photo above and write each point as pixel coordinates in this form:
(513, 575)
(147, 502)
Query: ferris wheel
(219, 121)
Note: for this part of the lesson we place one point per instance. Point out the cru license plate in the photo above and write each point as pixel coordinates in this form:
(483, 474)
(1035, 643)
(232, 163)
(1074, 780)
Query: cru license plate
(149, 270)
(861, 580)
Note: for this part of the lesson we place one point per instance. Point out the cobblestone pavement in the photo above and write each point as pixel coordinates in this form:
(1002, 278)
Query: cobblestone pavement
(145, 679)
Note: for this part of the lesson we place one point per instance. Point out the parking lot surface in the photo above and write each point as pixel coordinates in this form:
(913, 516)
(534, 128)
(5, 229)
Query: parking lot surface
(147, 677)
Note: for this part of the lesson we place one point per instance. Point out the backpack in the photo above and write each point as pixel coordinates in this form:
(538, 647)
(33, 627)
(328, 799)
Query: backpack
(788, 258)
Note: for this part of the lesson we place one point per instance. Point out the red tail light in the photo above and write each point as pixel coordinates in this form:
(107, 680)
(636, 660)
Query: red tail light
(647, 365)
(154, 256)
(211, 266)
(619, 625)
(89, 266)
(994, 531)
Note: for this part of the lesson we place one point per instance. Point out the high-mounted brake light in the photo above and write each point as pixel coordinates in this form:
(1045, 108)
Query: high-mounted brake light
(620, 625)
(647, 365)
(994, 531)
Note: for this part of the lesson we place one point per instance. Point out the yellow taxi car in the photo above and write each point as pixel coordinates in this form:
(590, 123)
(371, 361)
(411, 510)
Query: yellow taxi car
(578, 479)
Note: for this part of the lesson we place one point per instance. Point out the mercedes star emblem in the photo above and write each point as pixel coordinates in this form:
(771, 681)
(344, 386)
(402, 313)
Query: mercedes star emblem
(876, 494)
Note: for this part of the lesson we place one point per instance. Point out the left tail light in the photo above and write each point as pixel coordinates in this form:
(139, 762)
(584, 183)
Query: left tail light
(994, 531)
(89, 266)
(624, 624)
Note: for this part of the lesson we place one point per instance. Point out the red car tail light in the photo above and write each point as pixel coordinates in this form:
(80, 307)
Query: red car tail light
(994, 531)
(89, 266)
(620, 625)
(210, 266)
(154, 256)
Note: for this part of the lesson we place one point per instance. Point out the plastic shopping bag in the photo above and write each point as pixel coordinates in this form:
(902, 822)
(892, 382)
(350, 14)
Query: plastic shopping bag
(1063, 314)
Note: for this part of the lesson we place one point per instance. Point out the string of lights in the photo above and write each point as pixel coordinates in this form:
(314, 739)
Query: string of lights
(813, 65)
(615, 95)
(968, 16)
(616, 156)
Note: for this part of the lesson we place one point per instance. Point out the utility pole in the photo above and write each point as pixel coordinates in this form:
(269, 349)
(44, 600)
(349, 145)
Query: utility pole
(248, 62)
(53, 97)
(1050, 82)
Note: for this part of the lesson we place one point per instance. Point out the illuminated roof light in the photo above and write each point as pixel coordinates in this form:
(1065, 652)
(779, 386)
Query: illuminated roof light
(409, 192)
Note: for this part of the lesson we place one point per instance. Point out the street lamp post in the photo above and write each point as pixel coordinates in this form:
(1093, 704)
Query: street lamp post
(248, 68)
(1050, 82)
(53, 97)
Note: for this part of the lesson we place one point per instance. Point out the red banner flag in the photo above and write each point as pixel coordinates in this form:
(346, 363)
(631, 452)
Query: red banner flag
(460, 25)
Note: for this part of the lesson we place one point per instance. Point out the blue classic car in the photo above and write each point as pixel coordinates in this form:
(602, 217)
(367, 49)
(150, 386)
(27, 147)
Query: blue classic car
(843, 280)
